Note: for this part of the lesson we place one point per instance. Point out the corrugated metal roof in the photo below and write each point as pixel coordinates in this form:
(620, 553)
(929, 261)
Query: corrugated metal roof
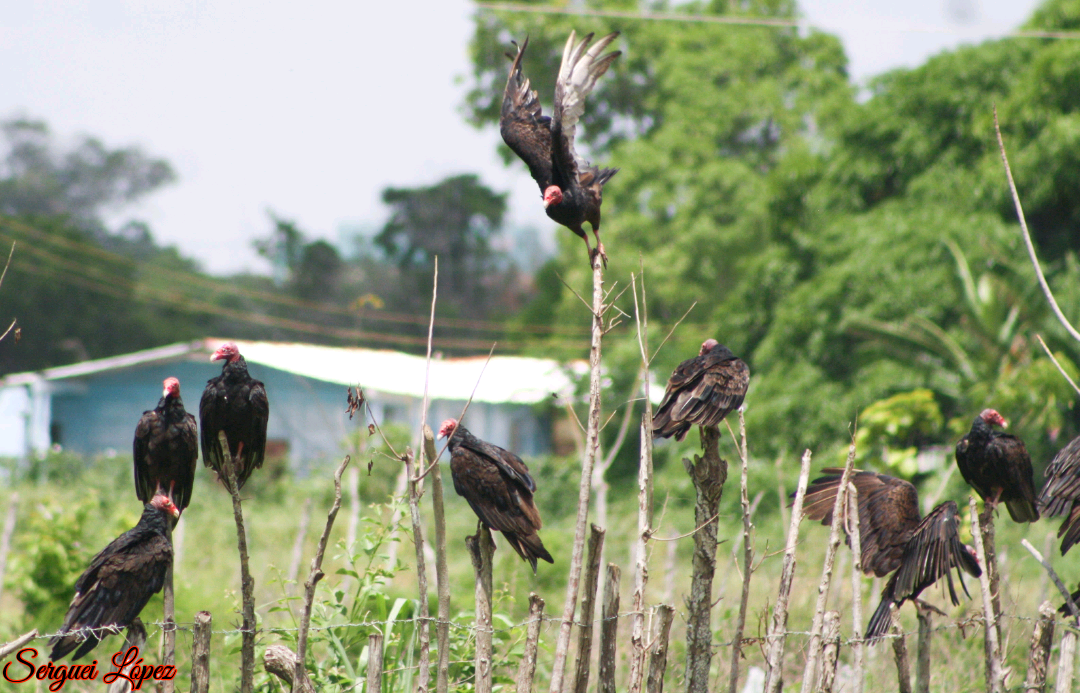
(514, 379)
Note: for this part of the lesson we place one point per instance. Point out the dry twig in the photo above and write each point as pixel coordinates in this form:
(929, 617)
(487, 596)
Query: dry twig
(300, 677)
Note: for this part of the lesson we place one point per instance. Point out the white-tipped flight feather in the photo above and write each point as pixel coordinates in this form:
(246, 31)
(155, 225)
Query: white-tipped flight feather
(577, 76)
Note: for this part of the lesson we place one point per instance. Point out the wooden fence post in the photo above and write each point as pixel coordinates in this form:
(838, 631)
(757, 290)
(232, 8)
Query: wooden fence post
(374, 664)
(922, 658)
(200, 654)
(588, 609)
(527, 668)
(609, 628)
(830, 652)
(899, 644)
(1042, 641)
(658, 657)
(481, 548)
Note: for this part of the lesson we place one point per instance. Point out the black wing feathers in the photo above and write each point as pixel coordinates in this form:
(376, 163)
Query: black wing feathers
(166, 451)
(1060, 494)
(701, 391)
(116, 586)
(235, 403)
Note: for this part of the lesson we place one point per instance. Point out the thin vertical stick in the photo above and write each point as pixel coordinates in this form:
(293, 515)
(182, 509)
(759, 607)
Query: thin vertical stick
(1066, 662)
(442, 579)
(423, 675)
(298, 545)
(300, 679)
(855, 537)
(993, 654)
(168, 630)
(748, 559)
(354, 508)
(374, 664)
(1042, 641)
(592, 437)
(5, 538)
(247, 583)
(527, 667)
(830, 652)
(200, 653)
(609, 630)
(810, 670)
(777, 634)
(899, 643)
(922, 659)
(658, 657)
(990, 567)
(588, 609)
(645, 501)
(481, 548)
(708, 473)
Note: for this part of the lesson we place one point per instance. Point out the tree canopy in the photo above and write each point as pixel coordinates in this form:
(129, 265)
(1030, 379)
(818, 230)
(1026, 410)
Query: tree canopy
(850, 250)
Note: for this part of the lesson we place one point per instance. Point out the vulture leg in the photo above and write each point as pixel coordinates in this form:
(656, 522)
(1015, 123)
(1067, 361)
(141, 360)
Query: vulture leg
(599, 247)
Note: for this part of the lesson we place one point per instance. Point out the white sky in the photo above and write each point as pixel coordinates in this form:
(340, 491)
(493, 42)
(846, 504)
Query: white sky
(311, 109)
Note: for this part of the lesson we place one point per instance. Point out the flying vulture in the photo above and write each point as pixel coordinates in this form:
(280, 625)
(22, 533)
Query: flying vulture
(119, 582)
(497, 486)
(702, 390)
(894, 537)
(1060, 493)
(166, 449)
(235, 403)
(998, 467)
(571, 186)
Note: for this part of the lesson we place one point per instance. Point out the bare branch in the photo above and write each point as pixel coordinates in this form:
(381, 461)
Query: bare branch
(300, 677)
(993, 651)
(1027, 237)
(1053, 577)
(1048, 353)
(461, 418)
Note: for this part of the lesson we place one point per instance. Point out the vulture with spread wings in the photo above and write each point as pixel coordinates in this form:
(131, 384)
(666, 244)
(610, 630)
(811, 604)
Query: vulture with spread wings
(1060, 493)
(119, 582)
(499, 489)
(571, 186)
(166, 449)
(998, 467)
(894, 537)
(702, 391)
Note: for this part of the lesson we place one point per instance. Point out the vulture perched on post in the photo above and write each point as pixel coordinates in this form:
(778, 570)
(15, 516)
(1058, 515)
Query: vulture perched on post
(998, 467)
(571, 186)
(166, 449)
(119, 582)
(702, 390)
(497, 486)
(894, 537)
(1060, 493)
(235, 403)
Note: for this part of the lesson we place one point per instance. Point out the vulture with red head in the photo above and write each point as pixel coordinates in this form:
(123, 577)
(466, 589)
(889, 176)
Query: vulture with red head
(894, 537)
(499, 489)
(235, 403)
(166, 449)
(571, 186)
(702, 391)
(998, 467)
(119, 582)
(1060, 493)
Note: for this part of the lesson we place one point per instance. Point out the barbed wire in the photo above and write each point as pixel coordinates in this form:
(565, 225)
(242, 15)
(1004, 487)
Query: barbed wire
(972, 621)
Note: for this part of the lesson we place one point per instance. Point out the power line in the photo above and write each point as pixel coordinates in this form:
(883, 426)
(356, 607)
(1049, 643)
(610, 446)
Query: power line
(734, 20)
(219, 286)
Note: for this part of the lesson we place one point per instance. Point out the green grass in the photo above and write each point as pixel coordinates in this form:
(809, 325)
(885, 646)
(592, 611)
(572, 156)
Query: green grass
(76, 506)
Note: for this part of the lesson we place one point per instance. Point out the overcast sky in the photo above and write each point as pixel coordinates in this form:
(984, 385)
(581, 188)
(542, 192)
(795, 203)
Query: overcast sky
(311, 109)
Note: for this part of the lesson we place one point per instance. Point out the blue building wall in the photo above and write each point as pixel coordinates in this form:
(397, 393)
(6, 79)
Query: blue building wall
(99, 412)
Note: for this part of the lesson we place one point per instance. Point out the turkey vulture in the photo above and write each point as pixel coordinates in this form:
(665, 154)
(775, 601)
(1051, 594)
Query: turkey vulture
(235, 403)
(1060, 493)
(702, 390)
(571, 186)
(998, 467)
(497, 485)
(119, 582)
(894, 537)
(166, 449)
